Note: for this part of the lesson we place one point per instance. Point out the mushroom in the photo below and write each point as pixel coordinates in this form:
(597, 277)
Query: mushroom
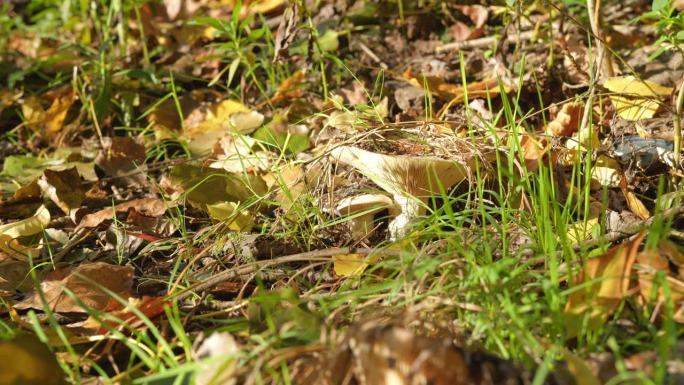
(410, 179)
(366, 206)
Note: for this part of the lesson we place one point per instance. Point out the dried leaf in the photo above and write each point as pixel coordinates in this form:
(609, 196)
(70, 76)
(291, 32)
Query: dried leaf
(635, 99)
(220, 351)
(63, 188)
(118, 279)
(599, 299)
(633, 202)
(567, 121)
(221, 119)
(124, 159)
(151, 207)
(286, 30)
(207, 186)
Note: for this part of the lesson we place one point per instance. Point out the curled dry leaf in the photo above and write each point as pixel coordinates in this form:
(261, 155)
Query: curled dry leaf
(122, 158)
(85, 282)
(63, 188)
(47, 123)
(606, 280)
(286, 30)
(567, 120)
(478, 15)
(151, 207)
(23, 228)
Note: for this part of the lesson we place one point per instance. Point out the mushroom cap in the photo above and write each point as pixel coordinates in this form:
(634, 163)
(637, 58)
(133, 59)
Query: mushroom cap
(369, 203)
(403, 175)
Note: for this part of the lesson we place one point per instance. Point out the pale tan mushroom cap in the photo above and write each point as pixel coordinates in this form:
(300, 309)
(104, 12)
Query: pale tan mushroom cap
(370, 203)
(402, 174)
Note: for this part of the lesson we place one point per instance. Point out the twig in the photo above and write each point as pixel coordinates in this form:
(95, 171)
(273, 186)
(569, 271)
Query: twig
(594, 11)
(372, 55)
(678, 125)
(478, 43)
(249, 268)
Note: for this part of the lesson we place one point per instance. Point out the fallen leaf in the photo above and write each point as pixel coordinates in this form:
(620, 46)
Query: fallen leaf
(27, 361)
(633, 202)
(238, 153)
(597, 300)
(206, 186)
(151, 207)
(14, 274)
(149, 307)
(477, 14)
(580, 231)
(567, 120)
(219, 120)
(533, 151)
(85, 281)
(348, 265)
(28, 226)
(238, 220)
(287, 30)
(606, 171)
(635, 99)
(217, 356)
(63, 188)
(122, 158)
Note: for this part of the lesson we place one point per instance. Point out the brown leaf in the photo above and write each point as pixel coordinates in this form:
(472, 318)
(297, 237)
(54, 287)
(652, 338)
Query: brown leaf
(599, 299)
(286, 30)
(118, 279)
(150, 207)
(121, 158)
(633, 202)
(567, 120)
(63, 188)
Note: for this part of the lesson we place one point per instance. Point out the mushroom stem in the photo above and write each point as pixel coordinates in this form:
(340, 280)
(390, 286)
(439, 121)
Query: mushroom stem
(361, 226)
(412, 209)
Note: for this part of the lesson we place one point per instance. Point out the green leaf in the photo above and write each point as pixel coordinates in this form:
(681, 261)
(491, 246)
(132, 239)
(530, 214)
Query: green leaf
(660, 5)
(288, 143)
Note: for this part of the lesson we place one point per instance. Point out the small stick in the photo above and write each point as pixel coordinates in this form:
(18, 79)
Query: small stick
(479, 43)
(372, 55)
(310, 256)
(678, 125)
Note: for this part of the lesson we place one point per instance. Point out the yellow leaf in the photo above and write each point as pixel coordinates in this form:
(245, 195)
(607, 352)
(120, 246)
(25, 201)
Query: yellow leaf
(221, 119)
(33, 112)
(55, 115)
(634, 99)
(26, 360)
(580, 371)
(265, 6)
(347, 265)
(228, 212)
(579, 232)
(28, 226)
(631, 86)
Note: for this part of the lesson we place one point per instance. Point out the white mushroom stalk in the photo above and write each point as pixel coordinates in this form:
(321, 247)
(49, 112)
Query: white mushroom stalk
(363, 208)
(411, 180)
